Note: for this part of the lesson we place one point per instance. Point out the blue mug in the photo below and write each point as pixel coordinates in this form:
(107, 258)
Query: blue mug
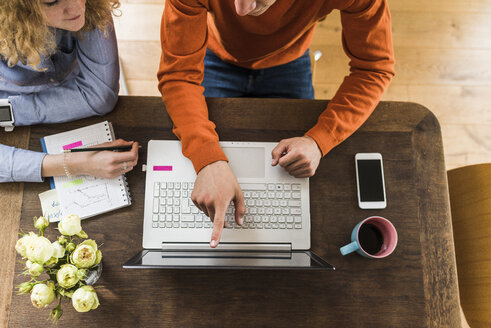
(384, 228)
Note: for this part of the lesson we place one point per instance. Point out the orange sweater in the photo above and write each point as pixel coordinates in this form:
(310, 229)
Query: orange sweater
(280, 35)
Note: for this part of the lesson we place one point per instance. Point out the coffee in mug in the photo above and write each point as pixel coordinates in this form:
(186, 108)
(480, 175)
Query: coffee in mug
(374, 237)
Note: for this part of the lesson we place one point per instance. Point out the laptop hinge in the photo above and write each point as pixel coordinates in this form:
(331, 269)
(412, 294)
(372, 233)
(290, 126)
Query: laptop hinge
(263, 247)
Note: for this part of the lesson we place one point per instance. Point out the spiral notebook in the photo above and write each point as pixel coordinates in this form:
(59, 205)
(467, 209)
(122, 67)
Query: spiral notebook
(86, 196)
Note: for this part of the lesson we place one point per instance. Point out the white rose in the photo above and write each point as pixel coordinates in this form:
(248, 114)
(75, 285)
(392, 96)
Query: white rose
(42, 296)
(86, 254)
(21, 245)
(67, 276)
(39, 250)
(41, 223)
(70, 225)
(59, 250)
(85, 299)
(35, 269)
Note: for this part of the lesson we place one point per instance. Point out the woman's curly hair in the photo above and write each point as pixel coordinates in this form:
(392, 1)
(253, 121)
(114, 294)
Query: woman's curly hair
(24, 35)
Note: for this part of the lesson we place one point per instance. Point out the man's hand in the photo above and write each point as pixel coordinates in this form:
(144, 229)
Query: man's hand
(299, 156)
(215, 187)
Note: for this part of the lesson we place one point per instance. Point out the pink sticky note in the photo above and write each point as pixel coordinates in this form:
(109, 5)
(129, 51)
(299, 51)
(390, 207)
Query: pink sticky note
(162, 168)
(72, 145)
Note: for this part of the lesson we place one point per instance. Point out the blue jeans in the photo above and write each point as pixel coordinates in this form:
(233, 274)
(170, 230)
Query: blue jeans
(290, 80)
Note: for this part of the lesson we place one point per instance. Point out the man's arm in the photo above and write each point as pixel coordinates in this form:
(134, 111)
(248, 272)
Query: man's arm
(184, 40)
(367, 40)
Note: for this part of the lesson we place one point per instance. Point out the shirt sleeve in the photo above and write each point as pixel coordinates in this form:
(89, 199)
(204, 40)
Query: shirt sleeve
(367, 41)
(184, 39)
(20, 165)
(94, 91)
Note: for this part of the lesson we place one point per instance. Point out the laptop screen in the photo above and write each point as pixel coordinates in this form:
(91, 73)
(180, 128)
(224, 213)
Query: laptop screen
(227, 259)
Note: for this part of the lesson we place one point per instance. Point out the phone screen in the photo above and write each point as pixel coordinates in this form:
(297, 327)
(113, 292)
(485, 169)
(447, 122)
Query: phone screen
(370, 180)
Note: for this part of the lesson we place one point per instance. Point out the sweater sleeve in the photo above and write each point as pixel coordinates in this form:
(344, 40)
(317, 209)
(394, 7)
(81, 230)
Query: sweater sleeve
(367, 41)
(184, 39)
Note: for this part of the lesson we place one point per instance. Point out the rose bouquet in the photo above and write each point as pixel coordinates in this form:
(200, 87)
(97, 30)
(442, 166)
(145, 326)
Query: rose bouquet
(66, 267)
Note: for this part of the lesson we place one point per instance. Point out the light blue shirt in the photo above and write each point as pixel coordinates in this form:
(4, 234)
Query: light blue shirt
(81, 79)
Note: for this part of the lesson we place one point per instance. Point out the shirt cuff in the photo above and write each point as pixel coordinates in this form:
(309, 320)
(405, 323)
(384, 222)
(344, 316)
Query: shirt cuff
(27, 165)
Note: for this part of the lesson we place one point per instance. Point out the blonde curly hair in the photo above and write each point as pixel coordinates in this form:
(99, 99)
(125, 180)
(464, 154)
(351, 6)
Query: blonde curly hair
(25, 37)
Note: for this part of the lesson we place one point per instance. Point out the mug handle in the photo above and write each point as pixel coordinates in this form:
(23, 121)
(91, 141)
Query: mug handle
(351, 247)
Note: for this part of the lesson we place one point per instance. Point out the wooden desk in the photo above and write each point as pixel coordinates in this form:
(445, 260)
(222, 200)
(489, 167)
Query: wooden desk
(414, 287)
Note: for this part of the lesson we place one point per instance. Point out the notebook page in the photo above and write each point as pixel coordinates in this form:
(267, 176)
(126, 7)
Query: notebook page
(84, 195)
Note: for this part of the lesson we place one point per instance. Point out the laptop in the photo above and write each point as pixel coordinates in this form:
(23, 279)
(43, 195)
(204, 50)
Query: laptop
(176, 234)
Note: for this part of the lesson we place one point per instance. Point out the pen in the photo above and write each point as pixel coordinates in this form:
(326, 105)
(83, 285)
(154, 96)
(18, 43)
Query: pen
(115, 148)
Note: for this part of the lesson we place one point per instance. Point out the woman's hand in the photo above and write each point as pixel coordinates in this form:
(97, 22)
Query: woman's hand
(104, 164)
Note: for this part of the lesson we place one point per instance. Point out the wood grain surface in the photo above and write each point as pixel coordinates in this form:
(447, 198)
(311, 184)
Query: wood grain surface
(470, 199)
(414, 287)
(11, 203)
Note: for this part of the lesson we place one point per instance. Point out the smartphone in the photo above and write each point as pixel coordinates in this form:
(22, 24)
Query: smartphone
(370, 181)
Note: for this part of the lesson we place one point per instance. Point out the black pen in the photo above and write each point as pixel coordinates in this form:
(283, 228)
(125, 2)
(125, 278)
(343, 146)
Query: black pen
(115, 148)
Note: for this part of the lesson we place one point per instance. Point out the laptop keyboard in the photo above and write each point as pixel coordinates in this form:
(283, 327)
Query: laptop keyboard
(268, 206)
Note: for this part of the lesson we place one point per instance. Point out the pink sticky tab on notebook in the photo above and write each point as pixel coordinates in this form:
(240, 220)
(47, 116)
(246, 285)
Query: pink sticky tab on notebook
(72, 145)
(162, 168)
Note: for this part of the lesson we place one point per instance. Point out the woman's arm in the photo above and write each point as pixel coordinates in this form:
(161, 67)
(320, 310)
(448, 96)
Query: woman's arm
(24, 165)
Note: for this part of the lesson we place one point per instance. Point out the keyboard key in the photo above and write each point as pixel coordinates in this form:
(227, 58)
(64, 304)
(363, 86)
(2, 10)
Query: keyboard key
(295, 195)
(187, 218)
(288, 187)
(296, 211)
(294, 203)
(170, 185)
(295, 187)
(162, 217)
(279, 187)
(155, 224)
(298, 226)
(155, 217)
(155, 205)
(253, 186)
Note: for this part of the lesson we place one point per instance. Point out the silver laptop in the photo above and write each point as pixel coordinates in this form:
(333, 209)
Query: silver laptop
(176, 234)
